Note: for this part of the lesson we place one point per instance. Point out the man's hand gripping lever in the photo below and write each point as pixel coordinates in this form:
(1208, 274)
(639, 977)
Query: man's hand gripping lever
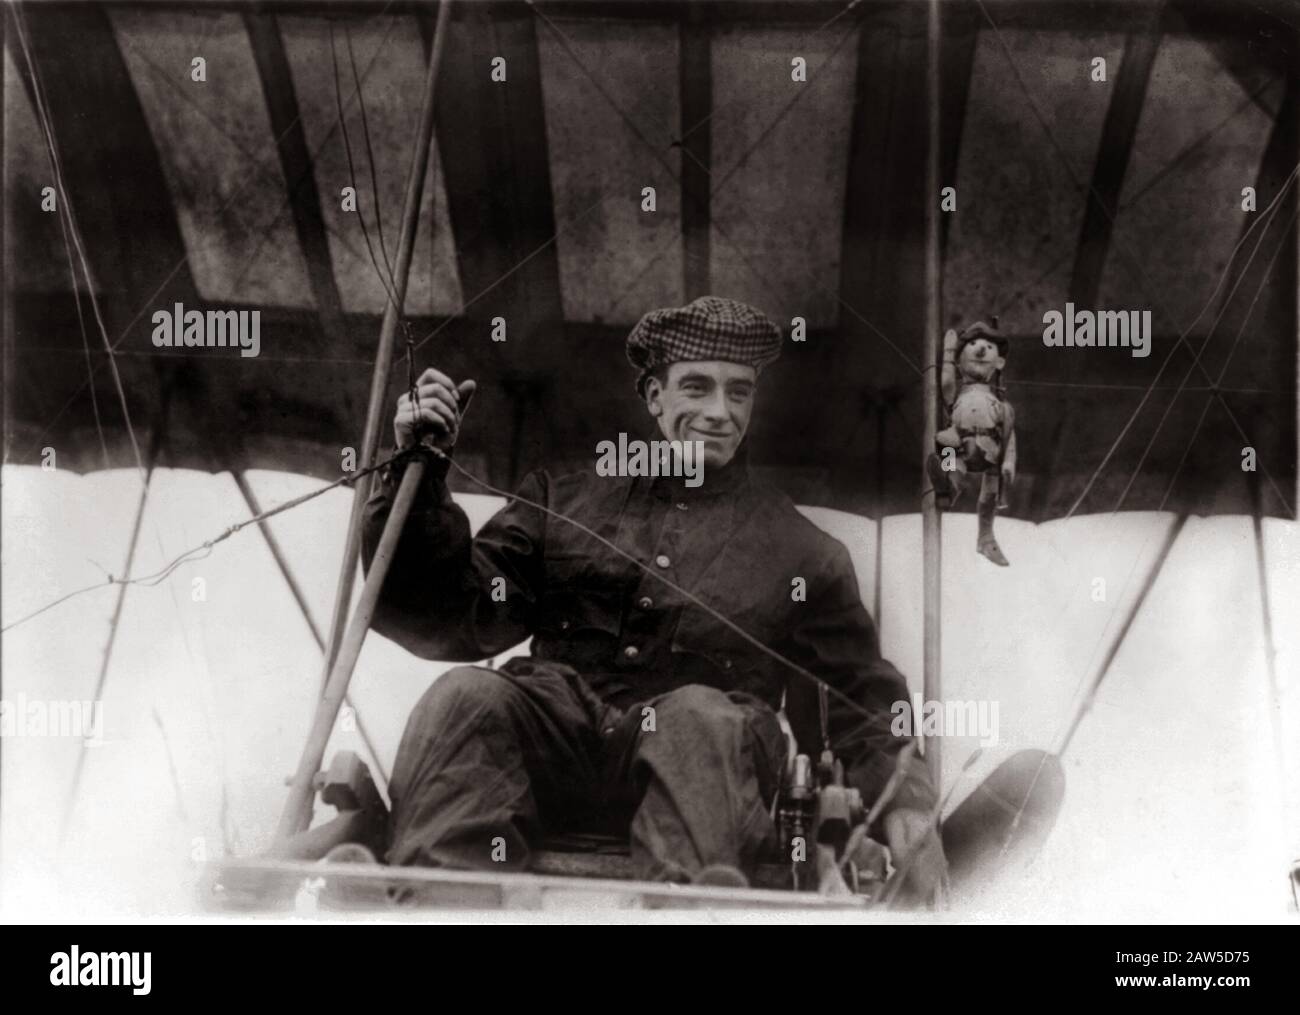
(431, 412)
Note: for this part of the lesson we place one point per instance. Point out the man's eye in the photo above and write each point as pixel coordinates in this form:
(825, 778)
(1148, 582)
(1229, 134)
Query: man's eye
(693, 389)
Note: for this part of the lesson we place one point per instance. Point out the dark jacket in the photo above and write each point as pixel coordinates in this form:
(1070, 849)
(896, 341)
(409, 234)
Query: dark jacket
(735, 543)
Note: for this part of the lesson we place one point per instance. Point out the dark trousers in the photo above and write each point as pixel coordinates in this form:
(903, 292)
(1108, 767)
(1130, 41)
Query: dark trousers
(494, 761)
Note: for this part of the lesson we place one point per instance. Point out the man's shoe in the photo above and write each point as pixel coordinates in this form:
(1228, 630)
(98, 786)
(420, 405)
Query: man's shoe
(350, 852)
(721, 875)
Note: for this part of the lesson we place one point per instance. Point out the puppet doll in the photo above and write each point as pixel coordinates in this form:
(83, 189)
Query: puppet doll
(980, 436)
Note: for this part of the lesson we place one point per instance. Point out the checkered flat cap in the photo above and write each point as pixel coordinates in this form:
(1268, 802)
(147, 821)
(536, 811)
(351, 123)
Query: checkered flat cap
(708, 328)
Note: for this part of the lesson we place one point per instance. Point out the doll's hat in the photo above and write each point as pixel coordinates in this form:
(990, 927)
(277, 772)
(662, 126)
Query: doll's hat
(984, 329)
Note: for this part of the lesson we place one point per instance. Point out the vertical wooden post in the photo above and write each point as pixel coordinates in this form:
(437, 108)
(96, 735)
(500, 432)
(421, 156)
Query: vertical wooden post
(375, 414)
(877, 606)
(341, 653)
(931, 524)
(296, 815)
(696, 76)
(300, 598)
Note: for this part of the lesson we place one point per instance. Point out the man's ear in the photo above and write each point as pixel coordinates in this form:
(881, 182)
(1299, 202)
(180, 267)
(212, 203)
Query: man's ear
(654, 396)
(1002, 362)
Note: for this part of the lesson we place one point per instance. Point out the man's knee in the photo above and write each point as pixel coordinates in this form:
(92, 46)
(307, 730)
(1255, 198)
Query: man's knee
(456, 710)
(701, 702)
(734, 723)
(696, 710)
(464, 691)
(695, 699)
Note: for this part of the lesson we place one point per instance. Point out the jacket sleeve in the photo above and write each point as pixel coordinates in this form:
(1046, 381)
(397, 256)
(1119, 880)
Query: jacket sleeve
(441, 598)
(835, 638)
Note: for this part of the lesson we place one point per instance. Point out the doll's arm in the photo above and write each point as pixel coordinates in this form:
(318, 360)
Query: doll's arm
(948, 374)
(1009, 444)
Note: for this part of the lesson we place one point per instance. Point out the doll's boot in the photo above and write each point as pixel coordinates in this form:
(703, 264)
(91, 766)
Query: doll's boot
(987, 545)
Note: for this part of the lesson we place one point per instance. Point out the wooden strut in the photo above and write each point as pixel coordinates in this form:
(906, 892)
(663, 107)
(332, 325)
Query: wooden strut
(154, 450)
(300, 598)
(387, 336)
(298, 808)
(1274, 696)
(343, 647)
(931, 524)
(1104, 669)
(75, 785)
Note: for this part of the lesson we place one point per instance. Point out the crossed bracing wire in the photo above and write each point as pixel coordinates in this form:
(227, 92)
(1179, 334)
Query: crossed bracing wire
(640, 134)
(234, 196)
(66, 210)
(1196, 353)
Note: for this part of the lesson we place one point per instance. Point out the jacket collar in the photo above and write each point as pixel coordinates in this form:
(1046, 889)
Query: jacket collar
(716, 482)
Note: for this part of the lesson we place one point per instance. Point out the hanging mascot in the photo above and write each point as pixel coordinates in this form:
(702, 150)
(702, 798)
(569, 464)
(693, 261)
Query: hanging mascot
(981, 432)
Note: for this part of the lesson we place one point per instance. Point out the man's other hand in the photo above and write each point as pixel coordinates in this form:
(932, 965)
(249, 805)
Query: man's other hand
(906, 831)
(441, 401)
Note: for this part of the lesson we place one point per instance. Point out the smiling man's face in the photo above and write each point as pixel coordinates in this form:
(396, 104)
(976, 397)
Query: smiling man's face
(704, 400)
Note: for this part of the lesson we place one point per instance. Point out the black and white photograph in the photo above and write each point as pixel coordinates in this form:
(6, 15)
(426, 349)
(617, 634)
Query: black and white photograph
(642, 461)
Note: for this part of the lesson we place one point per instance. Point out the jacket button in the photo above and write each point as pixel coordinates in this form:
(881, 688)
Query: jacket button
(564, 625)
(645, 602)
(631, 652)
(662, 560)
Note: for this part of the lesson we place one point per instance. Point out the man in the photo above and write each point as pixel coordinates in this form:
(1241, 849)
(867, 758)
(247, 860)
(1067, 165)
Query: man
(638, 711)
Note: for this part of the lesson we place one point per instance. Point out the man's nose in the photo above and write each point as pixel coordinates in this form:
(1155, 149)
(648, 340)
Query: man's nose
(716, 407)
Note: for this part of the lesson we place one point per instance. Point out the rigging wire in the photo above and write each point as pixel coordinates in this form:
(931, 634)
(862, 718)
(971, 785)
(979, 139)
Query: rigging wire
(67, 223)
(1268, 211)
(268, 166)
(1079, 713)
(64, 212)
(38, 93)
(716, 186)
(370, 155)
(1085, 190)
(628, 121)
(631, 124)
(740, 101)
(1140, 192)
(1264, 220)
(1214, 389)
(1187, 447)
(823, 687)
(228, 203)
(204, 549)
(1084, 701)
(184, 558)
(389, 284)
(717, 615)
(85, 337)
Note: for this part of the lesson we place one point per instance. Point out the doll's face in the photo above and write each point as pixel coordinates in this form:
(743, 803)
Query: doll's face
(979, 359)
